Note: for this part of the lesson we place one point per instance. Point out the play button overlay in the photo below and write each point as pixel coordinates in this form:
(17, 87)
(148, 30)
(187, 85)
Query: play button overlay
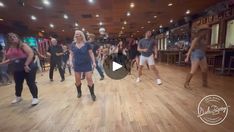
(116, 66)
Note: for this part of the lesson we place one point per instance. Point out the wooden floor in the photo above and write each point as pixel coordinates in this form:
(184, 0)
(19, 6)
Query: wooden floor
(121, 106)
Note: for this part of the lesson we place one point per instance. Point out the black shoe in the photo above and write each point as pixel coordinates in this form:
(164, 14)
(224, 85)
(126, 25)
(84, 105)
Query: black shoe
(62, 80)
(102, 78)
(91, 89)
(79, 92)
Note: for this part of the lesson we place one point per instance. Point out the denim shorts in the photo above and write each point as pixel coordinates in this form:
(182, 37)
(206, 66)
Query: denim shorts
(198, 54)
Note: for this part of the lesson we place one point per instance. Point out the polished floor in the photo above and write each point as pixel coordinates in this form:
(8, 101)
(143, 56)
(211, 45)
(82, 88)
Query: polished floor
(121, 106)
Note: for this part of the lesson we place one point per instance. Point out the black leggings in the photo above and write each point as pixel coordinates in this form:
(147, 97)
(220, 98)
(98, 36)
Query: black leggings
(30, 78)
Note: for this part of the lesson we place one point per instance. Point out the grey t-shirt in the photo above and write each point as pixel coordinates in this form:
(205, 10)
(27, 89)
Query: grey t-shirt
(147, 44)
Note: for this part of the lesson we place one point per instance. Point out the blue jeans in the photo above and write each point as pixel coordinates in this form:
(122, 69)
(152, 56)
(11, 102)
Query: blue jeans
(3, 73)
(99, 69)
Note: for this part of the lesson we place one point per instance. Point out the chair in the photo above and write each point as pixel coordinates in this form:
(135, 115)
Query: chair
(230, 64)
(211, 63)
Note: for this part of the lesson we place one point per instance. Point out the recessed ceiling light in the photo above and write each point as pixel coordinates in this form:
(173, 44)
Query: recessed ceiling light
(155, 16)
(42, 31)
(33, 17)
(125, 22)
(160, 26)
(170, 4)
(132, 5)
(97, 15)
(65, 16)
(188, 12)
(100, 23)
(1, 4)
(149, 22)
(52, 25)
(46, 2)
(63, 30)
(83, 29)
(76, 24)
(91, 1)
(128, 13)
(1, 19)
(171, 21)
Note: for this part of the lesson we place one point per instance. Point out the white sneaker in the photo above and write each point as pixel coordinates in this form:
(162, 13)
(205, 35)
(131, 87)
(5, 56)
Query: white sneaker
(159, 82)
(16, 100)
(35, 101)
(138, 80)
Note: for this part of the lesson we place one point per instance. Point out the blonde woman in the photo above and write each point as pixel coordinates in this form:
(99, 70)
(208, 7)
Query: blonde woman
(83, 61)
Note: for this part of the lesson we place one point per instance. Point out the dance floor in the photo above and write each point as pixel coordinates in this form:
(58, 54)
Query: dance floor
(121, 106)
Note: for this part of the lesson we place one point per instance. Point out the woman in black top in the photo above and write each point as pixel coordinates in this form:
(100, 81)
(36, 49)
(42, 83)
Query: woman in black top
(134, 53)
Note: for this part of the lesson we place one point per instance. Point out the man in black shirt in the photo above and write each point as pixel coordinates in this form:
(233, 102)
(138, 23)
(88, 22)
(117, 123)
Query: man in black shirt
(95, 49)
(55, 52)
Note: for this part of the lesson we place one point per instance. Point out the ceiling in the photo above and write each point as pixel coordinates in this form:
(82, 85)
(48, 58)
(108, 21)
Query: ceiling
(112, 13)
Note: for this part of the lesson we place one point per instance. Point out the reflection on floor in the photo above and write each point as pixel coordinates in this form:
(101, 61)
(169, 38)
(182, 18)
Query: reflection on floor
(121, 106)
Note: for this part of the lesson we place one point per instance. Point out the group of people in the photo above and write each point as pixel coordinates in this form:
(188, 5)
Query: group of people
(86, 55)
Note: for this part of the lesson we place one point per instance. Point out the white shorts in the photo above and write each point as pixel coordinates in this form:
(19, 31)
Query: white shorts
(150, 60)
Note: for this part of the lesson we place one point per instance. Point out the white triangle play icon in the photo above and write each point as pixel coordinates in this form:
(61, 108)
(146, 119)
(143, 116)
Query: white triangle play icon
(116, 66)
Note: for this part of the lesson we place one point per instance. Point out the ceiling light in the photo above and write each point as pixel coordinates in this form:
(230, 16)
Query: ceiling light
(188, 12)
(128, 13)
(97, 15)
(160, 26)
(123, 28)
(155, 16)
(153, 30)
(170, 4)
(52, 25)
(83, 29)
(142, 27)
(1, 19)
(1, 4)
(46, 2)
(33, 17)
(171, 21)
(100, 23)
(132, 5)
(149, 22)
(91, 1)
(65, 16)
(76, 24)
(125, 22)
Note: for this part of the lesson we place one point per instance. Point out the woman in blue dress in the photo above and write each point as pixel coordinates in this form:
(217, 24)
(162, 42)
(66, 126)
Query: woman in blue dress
(83, 61)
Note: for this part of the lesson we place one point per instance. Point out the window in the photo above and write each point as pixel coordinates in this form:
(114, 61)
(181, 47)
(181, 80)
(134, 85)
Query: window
(161, 44)
(229, 34)
(165, 46)
(215, 34)
(158, 44)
